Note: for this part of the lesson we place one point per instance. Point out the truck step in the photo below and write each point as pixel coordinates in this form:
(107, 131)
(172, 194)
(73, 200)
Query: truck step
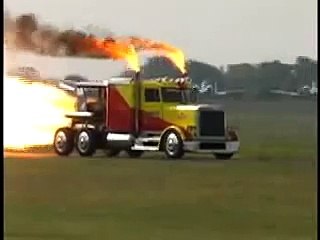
(145, 148)
(148, 139)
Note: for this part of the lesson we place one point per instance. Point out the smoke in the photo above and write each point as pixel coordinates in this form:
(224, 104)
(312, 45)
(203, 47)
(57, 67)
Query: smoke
(26, 33)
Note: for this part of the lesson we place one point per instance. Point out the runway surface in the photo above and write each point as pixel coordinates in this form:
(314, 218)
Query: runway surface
(29, 155)
(34, 153)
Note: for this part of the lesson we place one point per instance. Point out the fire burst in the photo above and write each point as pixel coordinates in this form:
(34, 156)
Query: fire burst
(32, 113)
(110, 48)
(160, 48)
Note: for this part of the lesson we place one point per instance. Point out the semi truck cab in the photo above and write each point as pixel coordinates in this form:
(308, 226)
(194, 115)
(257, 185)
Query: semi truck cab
(133, 115)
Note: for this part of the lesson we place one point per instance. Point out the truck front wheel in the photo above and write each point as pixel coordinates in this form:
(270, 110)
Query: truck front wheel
(173, 145)
(63, 141)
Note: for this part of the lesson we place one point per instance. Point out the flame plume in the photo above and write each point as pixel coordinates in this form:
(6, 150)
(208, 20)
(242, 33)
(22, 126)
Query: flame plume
(174, 54)
(33, 112)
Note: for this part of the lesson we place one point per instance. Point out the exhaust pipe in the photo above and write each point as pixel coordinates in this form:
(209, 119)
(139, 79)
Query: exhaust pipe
(137, 105)
(185, 75)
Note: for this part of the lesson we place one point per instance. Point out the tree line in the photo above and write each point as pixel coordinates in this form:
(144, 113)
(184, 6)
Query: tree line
(254, 79)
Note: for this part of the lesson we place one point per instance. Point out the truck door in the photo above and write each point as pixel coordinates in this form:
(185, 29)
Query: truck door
(119, 114)
(151, 114)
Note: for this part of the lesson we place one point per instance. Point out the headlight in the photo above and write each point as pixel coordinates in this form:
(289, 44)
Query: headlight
(192, 130)
(232, 135)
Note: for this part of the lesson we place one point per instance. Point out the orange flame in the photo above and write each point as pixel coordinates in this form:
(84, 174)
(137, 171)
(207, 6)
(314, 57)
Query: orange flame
(174, 54)
(111, 48)
(33, 112)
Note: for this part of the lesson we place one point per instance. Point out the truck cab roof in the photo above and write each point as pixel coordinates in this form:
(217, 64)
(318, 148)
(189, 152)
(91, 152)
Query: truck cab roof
(104, 83)
(157, 82)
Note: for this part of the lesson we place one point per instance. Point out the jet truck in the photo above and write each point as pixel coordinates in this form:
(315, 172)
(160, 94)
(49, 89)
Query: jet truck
(134, 115)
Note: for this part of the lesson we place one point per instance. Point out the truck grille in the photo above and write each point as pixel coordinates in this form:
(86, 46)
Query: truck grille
(212, 123)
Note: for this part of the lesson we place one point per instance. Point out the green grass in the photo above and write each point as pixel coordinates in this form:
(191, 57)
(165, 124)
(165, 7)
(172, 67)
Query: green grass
(267, 192)
(282, 130)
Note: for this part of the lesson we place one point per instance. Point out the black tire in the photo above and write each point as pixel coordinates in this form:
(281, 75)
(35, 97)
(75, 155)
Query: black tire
(134, 153)
(112, 152)
(175, 151)
(86, 142)
(223, 156)
(63, 141)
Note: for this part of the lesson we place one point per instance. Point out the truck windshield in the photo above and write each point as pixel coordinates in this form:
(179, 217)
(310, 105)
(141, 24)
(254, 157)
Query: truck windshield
(89, 95)
(176, 95)
(88, 92)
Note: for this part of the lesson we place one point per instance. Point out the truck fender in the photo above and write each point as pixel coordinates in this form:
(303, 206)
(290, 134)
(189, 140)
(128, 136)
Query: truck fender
(170, 128)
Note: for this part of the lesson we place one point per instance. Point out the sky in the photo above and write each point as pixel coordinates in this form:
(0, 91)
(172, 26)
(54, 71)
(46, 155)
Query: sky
(219, 32)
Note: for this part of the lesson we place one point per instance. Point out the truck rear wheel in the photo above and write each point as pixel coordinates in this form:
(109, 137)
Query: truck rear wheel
(173, 145)
(223, 156)
(63, 141)
(134, 153)
(86, 142)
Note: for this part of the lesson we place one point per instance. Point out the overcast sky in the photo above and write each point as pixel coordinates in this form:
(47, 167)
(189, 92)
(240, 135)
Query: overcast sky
(215, 31)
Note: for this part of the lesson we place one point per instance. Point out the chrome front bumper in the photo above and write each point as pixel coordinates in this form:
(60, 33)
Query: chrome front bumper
(195, 146)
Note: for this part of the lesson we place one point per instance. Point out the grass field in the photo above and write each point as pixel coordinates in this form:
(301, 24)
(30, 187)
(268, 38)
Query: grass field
(268, 191)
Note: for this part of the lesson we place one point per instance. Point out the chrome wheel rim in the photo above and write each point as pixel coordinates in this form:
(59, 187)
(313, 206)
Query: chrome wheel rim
(83, 141)
(61, 141)
(172, 143)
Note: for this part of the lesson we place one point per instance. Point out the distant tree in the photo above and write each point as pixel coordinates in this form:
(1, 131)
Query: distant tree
(272, 75)
(241, 76)
(200, 71)
(159, 67)
(306, 71)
